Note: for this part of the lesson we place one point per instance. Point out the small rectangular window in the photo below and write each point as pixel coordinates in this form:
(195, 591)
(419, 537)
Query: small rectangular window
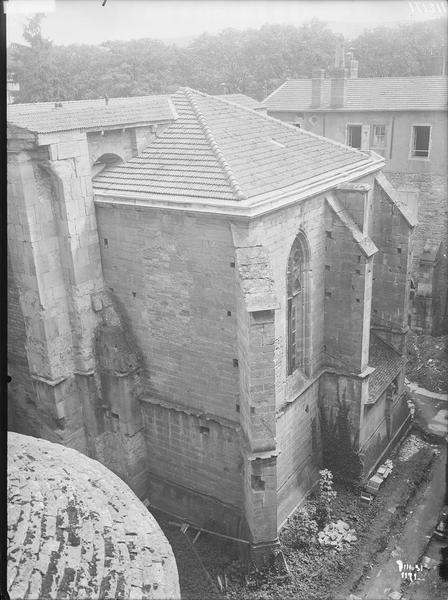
(420, 140)
(379, 136)
(354, 136)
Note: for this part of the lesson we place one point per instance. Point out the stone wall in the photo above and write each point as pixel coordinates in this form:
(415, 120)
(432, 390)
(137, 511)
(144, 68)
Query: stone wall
(431, 230)
(116, 141)
(391, 273)
(298, 430)
(24, 412)
(279, 230)
(193, 452)
(432, 213)
(54, 255)
(173, 280)
(295, 467)
(340, 405)
(377, 436)
(124, 143)
(348, 293)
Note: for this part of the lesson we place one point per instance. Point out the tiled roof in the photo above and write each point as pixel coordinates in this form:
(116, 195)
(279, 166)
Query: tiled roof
(241, 99)
(220, 150)
(376, 93)
(75, 530)
(387, 363)
(45, 117)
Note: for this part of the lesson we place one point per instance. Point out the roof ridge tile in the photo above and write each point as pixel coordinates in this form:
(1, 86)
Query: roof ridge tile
(188, 92)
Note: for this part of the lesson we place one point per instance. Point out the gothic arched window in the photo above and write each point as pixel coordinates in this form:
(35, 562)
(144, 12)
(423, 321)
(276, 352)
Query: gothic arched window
(297, 310)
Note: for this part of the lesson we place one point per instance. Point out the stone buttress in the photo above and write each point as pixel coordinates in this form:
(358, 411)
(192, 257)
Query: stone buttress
(84, 395)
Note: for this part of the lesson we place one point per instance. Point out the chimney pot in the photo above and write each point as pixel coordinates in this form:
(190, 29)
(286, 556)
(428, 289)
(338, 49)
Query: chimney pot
(317, 87)
(353, 69)
(338, 87)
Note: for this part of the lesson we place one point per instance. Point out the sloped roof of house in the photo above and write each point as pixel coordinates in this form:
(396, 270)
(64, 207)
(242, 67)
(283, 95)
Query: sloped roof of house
(241, 99)
(47, 117)
(387, 363)
(217, 149)
(374, 93)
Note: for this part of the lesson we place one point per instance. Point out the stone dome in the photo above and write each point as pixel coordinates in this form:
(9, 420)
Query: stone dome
(77, 531)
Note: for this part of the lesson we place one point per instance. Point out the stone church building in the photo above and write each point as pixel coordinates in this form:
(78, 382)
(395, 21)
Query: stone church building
(207, 300)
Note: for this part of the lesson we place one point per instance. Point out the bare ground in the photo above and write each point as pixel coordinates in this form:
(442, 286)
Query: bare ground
(428, 361)
(316, 573)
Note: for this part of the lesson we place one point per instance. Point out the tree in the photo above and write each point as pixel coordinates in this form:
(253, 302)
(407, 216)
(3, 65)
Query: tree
(254, 61)
(401, 51)
(33, 64)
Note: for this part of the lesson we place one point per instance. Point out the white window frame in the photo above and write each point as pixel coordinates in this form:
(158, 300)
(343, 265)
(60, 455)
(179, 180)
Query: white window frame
(372, 142)
(411, 142)
(347, 125)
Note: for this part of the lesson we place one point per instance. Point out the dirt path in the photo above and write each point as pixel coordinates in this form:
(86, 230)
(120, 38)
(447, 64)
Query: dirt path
(408, 546)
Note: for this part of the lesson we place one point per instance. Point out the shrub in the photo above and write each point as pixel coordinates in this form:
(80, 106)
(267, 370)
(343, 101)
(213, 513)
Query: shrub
(304, 527)
(325, 498)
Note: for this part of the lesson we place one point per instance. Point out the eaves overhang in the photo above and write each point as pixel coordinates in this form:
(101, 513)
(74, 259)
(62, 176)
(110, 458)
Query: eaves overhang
(346, 109)
(248, 208)
(50, 137)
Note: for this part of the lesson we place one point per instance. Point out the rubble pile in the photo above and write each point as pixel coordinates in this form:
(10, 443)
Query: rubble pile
(410, 447)
(336, 535)
(385, 469)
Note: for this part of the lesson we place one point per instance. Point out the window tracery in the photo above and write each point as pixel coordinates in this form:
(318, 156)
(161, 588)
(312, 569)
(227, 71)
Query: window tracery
(297, 305)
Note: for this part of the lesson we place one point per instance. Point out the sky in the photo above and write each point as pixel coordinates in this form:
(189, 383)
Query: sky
(88, 22)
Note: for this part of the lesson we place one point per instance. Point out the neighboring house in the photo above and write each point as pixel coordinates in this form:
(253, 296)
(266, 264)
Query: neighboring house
(215, 317)
(404, 119)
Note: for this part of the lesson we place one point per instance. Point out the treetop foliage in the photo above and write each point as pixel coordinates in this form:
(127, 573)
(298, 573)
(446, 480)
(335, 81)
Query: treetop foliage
(253, 62)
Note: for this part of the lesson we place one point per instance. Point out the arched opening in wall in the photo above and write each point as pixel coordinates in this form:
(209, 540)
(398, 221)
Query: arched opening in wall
(105, 160)
(298, 306)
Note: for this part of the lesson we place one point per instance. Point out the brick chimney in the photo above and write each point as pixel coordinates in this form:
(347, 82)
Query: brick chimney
(353, 69)
(317, 87)
(339, 76)
(338, 87)
(352, 66)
